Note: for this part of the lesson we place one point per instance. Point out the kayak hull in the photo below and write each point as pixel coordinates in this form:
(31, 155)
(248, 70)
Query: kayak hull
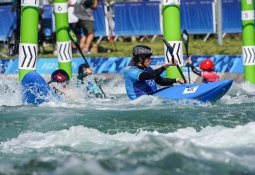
(204, 92)
(35, 90)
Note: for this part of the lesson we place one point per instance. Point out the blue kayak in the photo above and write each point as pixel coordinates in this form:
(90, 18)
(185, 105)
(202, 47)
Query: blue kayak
(204, 92)
(35, 90)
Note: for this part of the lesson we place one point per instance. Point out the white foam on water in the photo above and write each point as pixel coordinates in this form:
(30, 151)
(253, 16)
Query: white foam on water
(217, 144)
(10, 94)
(79, 137)
(245, 88)
(115, 86)
(240, 93)
(210, 137)
(219, 136)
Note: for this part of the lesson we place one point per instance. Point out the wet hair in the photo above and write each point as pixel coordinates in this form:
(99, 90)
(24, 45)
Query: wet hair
(140, 53)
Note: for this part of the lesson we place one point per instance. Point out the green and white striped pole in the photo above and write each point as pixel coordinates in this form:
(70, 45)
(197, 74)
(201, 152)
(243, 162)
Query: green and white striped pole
(64, 51)
(172, 34)
(28, 46)
(248, 49)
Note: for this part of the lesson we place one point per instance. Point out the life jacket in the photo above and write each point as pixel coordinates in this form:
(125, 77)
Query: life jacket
(210, 76)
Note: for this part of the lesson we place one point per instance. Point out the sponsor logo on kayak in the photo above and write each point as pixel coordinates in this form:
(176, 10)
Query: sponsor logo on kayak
(189, 90)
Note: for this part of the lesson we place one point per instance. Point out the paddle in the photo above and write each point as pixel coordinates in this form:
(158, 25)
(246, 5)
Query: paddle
(171, 51)
(75, 41)
(185, 39)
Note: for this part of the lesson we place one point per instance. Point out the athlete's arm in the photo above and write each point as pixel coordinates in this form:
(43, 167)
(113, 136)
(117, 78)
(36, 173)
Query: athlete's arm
(195, 70)
(151, 75)
(165, 81)
(81, 76)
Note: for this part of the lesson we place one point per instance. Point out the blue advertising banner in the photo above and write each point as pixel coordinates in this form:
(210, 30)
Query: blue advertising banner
(197, 17)
(112, 65)
(101, 23)
(137, 18)
(7, 22)
(222, 63)
(117, 65)
(231, 16)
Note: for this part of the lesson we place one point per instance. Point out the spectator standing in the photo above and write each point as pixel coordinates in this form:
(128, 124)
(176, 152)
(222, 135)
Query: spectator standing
(73, 22)
(84, 11)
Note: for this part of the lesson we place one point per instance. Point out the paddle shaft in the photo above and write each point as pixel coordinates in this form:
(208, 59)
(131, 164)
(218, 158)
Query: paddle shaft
(179, 69)
(100, 88)
(75, 41)
(186, 47)
(185, 37)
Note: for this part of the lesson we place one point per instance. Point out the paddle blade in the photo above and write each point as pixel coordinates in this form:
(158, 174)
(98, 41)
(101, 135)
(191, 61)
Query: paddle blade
(72, 35)
(185, 39)
(169, 47)
(75, 41)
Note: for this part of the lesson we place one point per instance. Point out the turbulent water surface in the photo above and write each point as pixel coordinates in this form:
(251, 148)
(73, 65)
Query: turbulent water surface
(149, 135)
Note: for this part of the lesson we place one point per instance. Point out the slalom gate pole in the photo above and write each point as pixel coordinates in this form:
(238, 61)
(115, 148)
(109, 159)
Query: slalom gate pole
(172, 34)
(28, 47)
(64, 51)
(248, 49)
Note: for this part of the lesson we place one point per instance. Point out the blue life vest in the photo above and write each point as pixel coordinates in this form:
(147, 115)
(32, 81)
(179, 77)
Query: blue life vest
(136, 88)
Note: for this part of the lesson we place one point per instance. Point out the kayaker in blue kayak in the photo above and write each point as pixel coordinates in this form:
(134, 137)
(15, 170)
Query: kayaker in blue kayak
(141, 79)
(207, 67)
